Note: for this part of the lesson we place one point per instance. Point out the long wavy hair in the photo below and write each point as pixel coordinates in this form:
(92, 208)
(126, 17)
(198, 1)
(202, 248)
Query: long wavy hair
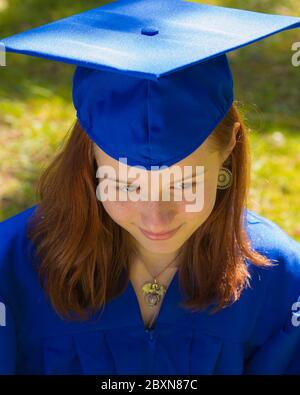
(83, 255)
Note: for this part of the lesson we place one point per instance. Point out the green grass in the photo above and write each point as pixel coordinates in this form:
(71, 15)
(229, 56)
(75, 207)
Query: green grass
(275, 187)
(36, 109)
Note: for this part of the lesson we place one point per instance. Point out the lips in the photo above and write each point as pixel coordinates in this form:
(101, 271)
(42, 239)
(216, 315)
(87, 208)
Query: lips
(159, 236)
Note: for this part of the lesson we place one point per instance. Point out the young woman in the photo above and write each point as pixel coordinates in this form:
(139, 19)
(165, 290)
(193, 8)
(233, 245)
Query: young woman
(124, 286)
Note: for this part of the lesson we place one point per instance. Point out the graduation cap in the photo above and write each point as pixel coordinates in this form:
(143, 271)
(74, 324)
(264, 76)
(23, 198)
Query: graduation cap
(152, 79)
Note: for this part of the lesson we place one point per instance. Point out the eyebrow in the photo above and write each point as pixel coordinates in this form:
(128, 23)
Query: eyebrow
(130, 182)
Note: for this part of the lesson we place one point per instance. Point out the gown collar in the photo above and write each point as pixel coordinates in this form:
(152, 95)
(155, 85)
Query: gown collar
(124, 310)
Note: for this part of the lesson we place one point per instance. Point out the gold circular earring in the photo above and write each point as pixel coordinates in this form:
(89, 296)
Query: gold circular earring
(224, 178)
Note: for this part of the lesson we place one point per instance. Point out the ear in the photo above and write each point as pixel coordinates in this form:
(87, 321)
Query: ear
(232, 143)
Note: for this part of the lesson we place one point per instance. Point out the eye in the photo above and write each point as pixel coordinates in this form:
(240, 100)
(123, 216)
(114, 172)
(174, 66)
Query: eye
(183, 185)
(128, 188)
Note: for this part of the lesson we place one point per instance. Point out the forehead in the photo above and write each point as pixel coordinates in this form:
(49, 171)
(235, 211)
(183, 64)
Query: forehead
(203, 155)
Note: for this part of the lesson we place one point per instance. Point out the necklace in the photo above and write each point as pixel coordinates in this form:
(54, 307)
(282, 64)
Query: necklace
(154, 291)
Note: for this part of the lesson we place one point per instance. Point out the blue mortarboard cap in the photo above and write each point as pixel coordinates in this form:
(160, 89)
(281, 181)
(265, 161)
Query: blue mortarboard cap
(152, 79)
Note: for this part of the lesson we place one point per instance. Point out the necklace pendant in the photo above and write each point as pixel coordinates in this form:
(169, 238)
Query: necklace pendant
(153, 291)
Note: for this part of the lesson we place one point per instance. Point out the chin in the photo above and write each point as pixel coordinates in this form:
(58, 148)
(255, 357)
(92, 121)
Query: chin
(161, 246)
(162, 249)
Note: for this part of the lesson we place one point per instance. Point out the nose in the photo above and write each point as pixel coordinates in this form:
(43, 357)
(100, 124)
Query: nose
(158, 217)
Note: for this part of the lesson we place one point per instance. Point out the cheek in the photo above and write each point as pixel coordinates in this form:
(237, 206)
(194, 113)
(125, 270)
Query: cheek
(209, 198)
(120, 212)
(210, 193)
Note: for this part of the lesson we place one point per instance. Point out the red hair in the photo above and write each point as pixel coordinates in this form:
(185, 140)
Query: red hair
(84, 255)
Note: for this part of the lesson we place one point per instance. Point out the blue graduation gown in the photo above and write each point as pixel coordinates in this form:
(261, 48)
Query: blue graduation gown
(258, 334)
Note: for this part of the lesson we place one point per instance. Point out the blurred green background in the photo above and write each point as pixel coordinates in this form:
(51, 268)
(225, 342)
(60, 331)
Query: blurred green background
(36, 109)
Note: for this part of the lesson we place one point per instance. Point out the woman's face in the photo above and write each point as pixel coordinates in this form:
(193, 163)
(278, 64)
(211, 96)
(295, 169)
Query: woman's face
(163, 216)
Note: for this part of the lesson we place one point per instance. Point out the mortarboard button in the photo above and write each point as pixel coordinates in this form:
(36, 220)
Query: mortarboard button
(149, 31)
